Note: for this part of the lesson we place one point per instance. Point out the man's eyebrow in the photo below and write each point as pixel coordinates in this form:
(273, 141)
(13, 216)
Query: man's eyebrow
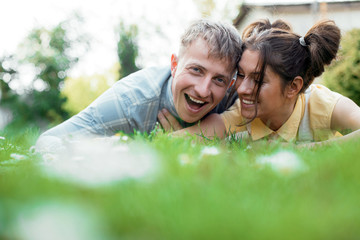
(220, 75)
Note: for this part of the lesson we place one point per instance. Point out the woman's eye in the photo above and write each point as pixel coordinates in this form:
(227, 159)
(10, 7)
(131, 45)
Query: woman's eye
(240, 75)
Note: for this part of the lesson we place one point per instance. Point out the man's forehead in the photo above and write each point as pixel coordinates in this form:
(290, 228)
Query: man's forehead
(212, 55)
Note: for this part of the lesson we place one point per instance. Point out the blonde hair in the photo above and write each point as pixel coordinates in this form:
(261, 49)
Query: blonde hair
(223, 40)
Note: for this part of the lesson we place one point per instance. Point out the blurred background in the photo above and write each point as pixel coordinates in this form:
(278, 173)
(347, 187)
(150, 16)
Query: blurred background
(56, 57)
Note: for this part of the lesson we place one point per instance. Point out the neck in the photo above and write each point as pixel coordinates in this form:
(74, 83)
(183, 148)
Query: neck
(276, 122)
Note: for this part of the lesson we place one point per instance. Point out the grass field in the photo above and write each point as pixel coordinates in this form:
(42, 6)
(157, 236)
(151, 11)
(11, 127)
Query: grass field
(160, 187)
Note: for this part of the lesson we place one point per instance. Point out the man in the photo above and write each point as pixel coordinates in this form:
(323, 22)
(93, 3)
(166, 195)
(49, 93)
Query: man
(195, 84)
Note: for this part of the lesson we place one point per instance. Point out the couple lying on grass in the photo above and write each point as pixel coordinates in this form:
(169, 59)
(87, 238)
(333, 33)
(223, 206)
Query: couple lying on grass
(271, 71)
(277, 99)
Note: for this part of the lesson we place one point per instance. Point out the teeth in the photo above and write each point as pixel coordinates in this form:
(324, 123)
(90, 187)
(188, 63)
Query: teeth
(195, 100)
(247, 101)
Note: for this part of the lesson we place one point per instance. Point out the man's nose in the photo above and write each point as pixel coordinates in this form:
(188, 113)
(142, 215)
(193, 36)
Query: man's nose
(202, 88)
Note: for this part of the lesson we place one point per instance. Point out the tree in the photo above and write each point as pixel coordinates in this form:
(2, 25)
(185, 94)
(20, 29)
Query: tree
(7, 75)
(81, 91)
(50, 53)
(127, 49)
(343, 75)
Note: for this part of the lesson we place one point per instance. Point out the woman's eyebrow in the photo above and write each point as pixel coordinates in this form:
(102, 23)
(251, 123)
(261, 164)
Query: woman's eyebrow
(252, 73)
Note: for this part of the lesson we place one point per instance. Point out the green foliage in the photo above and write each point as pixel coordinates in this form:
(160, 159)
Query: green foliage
(127, 49)
(81, 91)
(8, 74)
(10, 99)
(343, 75)
(194, 195)
(49, 51)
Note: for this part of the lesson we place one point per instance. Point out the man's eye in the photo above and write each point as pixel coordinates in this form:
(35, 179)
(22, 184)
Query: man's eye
(195, 69)
(220, 80)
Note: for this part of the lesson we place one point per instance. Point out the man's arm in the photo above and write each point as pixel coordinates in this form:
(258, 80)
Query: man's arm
(104, 117)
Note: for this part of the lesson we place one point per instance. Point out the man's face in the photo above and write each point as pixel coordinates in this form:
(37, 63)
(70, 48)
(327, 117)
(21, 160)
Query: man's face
(200, 81)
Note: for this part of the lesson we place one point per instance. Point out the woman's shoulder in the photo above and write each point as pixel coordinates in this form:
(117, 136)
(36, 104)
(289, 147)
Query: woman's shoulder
(321, 95)
(321, 105)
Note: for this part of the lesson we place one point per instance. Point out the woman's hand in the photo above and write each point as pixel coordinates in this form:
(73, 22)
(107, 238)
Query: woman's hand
(168, 122)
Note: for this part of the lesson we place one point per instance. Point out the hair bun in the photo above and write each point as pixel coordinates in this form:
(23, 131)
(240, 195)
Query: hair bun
(263, 25)
(323, 40)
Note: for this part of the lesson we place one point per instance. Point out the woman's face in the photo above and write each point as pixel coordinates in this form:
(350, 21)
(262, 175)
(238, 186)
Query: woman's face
(271, 104)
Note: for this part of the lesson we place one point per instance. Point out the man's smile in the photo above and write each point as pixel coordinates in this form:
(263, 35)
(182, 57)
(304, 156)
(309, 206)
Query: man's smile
(195, 104)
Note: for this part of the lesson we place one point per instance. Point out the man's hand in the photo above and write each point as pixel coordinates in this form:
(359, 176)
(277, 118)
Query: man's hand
(168, 121)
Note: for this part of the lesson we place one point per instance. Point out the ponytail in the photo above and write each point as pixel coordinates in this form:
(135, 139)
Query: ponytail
(323, 41)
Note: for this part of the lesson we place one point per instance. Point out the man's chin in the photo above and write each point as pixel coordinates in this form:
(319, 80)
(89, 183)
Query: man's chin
(191, 119)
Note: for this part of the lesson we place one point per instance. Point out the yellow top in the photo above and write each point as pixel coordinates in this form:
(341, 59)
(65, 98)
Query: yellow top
(320, 106)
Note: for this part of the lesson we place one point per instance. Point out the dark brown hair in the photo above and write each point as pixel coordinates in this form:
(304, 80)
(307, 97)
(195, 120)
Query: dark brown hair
(280, 49)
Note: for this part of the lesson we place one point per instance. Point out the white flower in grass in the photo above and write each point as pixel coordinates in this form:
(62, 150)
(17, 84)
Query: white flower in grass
(103, 161)
(283, 162)
(32, 150)
(185, 159)
(2, 138)
(56, 222)
(49, 157)
(209, 151)
(17, 156)
(124, 138)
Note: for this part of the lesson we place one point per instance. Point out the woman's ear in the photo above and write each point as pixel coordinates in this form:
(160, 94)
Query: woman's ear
(295, 87)
(174, 62)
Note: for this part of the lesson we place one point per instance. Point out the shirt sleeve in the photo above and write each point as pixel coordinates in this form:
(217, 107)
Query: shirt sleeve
(322, 102)
(103, 117)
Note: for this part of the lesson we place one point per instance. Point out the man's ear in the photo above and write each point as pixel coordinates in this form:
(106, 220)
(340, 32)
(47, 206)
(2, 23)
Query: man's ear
(174, 62)
(295, 87)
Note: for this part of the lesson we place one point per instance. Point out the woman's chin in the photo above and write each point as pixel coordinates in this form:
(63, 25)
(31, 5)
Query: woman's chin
(248, 115)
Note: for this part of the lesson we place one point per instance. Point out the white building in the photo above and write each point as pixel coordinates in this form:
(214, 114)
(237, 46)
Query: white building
(301, 15)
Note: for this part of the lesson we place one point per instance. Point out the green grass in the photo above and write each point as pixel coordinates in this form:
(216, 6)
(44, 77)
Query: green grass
(193, 196)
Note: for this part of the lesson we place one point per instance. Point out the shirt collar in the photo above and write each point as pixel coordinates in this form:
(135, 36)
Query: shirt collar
(288, 131)
(167, 99)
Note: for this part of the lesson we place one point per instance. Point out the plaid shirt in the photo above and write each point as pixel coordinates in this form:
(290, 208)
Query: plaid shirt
(130, 104)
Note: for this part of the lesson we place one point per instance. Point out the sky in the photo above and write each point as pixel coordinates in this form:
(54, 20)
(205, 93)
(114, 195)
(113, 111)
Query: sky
(165, 18)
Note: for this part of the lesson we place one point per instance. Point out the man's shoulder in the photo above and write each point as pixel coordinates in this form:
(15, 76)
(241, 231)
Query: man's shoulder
(152, 75)
(142, 86)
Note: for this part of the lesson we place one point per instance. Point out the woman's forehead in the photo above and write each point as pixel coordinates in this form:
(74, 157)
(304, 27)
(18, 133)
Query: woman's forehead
(249, 61)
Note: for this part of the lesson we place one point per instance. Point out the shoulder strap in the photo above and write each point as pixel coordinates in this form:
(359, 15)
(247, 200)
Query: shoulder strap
(305, 134)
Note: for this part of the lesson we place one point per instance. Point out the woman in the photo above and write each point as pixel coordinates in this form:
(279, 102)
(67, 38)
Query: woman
(276, 100)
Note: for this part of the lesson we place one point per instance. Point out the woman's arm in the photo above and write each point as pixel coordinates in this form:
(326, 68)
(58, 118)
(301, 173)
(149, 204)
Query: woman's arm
(212, 126)
(346, 116)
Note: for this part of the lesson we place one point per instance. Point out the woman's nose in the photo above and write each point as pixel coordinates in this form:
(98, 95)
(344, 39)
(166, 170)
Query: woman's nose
(246, 86)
